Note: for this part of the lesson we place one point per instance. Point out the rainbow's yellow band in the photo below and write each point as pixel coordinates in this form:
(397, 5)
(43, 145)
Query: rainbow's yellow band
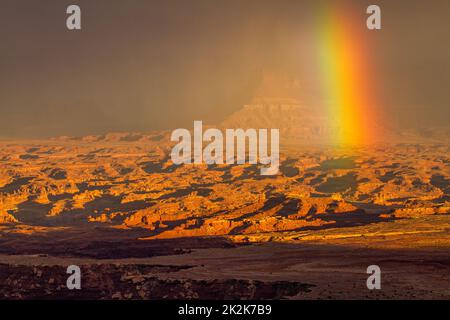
(345, 67)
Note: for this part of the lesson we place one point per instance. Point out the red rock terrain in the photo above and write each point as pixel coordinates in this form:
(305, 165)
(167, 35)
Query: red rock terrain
(114, 198)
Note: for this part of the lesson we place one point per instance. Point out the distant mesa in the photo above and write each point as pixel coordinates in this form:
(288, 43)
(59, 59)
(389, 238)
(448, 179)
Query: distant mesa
(278, 104)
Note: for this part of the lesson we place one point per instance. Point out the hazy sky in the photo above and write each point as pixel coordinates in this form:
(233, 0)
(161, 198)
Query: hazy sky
(141, 65)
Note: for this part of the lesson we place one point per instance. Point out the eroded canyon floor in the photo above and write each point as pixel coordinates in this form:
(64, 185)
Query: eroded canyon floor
(141, 227)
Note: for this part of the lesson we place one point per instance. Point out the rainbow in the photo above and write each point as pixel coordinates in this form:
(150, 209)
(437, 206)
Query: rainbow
(346, 75)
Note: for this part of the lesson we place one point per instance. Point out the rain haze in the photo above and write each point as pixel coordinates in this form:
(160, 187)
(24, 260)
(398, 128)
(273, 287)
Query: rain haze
(152, 65)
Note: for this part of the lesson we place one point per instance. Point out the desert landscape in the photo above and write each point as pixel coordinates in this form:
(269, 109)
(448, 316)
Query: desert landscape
(144, 228)
(355, 98)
